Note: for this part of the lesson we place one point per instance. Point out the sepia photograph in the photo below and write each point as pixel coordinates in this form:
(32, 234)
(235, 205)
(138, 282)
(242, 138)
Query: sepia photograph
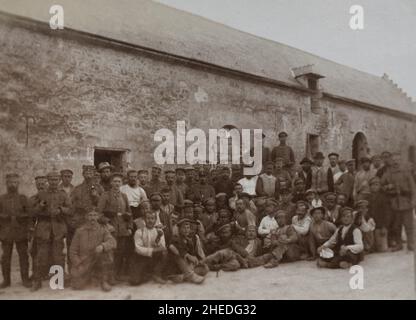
(207, 150)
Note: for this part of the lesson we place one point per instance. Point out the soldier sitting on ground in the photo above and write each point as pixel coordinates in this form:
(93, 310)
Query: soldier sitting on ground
(91, 253)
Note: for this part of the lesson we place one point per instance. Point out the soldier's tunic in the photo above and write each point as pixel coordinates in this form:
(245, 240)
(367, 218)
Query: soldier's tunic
(83, 256)
(82, 202)
(15, 222)
(51, 228)
(114, 205)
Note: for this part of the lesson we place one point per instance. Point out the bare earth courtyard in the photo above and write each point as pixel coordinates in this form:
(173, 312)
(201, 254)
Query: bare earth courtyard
(386, 276)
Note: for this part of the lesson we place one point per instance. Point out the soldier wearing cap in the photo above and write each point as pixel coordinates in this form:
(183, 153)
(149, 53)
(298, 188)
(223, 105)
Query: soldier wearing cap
(41, 184)
(15, 223)
(224, 184)
(105, 169)
(180, 180)
(176, 197)
(114, 207)
(84, 198)
(202, 190)
(319, 174)
(387, 159)
(187, 253)
(333, 169)
(91, 253)
(190, 176)
(332, 209)
(361, 181)
(299, 191)
(379, 209)
(155, 183)
(398, 184)
(345, 183)
(66, 184)
(305, 173)
(52, 211)
(283, 151)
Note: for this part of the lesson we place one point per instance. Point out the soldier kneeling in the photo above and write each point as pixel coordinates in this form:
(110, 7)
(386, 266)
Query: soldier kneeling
(91, 253)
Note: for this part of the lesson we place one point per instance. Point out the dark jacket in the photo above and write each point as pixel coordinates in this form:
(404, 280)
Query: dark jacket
(15, 219)
(110, 205)
(51, 219)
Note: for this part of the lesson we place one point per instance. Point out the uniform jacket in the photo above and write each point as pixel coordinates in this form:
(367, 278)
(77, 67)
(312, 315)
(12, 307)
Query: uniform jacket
(50, 225)
(14, 217)
(111, 205)
(86, 239)
(83, 201)
(403, 193)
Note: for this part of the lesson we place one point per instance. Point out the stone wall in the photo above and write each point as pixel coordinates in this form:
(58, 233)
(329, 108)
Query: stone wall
(63, 94)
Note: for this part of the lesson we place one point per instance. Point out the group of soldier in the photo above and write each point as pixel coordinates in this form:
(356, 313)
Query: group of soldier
(130, 227)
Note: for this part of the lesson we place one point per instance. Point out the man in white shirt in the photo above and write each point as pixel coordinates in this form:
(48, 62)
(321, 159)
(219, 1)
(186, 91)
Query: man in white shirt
(346, 244)
(150, 253)
(268, 223)
(249, 184)
(301, 222)
(135, 194)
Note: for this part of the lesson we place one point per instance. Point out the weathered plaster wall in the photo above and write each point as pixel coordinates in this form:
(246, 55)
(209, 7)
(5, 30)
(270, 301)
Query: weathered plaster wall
(78, 95)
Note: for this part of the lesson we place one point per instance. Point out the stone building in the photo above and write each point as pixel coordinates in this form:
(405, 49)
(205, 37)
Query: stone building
(120, 70)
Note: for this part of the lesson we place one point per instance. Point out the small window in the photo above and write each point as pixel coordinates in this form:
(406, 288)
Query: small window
(116, 157)
(312, 84)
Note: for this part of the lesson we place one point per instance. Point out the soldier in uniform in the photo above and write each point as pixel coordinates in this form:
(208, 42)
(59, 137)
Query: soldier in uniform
(51, 212)
(155, 184)
(114, 206)
(283, 151)
(105, 170)
(41, 183)
(90, 251)
(84, 197)
(14, 227)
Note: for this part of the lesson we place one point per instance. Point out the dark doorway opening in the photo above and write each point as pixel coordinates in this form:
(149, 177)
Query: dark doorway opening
(359, 148)
(116, 157)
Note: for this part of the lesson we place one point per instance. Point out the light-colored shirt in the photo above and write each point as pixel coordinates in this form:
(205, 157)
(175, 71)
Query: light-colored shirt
(134, 195)
(355, 248)
(267, 224)
(249, 185)
(301, 225)
(145, 241)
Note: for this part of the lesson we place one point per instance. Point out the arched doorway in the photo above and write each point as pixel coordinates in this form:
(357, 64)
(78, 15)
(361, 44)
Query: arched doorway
(359, 148)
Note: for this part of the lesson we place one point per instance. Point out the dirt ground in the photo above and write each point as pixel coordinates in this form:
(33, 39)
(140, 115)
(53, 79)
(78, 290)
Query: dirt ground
(386, 276)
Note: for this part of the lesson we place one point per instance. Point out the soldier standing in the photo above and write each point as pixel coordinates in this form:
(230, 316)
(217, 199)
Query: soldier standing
(114, 206)
(51, 210)
(15, 222)
(84, 198)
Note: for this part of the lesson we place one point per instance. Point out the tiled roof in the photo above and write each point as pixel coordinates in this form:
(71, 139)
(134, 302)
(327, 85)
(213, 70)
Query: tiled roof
(156, 26)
